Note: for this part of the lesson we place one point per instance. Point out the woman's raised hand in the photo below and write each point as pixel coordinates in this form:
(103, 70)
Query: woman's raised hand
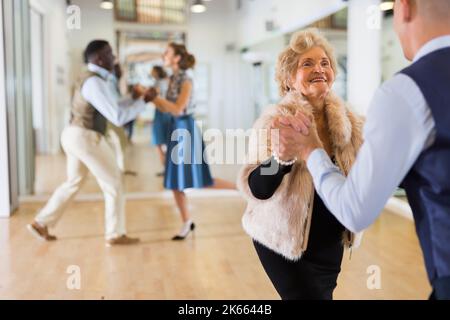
(150, 95)
(137, 91)
(285, 133)
(295, 136)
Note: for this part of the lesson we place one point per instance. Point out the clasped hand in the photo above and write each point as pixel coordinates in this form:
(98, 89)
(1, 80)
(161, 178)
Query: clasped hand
(147, 94)
(294, 137)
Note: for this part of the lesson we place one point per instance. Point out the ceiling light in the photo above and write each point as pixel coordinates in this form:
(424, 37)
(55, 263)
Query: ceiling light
(387, 5)
(198, 7)
(107, 4)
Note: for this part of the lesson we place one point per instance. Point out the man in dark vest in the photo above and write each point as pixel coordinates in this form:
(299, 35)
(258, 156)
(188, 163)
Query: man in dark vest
(407, 142)
(94, 103)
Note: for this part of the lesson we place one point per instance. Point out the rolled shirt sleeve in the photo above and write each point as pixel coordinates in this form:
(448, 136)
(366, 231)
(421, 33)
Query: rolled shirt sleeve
(119, 112)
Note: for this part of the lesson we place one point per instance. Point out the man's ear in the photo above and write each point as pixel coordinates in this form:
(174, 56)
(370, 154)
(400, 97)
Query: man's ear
(406, 7)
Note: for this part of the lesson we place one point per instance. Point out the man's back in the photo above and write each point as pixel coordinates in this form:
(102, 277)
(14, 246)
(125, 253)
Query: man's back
(428, 182)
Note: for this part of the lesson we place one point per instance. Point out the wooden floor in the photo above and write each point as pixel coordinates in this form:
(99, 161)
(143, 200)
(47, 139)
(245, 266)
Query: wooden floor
(219, 262)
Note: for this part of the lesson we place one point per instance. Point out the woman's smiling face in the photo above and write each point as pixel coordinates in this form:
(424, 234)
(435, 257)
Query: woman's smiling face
(169, 57)
(314, 77)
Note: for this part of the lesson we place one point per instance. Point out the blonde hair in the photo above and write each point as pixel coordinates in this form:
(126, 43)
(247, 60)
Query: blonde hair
(289, 58)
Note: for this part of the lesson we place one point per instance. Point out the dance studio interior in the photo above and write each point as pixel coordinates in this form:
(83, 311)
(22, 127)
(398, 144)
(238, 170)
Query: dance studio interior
(47, 46)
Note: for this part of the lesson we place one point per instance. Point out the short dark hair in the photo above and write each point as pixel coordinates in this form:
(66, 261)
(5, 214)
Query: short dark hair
(92, 48)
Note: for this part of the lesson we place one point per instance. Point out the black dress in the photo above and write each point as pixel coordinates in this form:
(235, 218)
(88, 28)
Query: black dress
(314, 276)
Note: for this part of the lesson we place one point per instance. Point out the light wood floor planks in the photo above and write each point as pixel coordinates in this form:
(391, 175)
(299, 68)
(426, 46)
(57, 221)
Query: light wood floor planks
(219, 262)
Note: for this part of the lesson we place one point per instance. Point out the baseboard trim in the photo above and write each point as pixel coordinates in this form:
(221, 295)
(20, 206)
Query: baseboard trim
(162, 195)
(393, 205)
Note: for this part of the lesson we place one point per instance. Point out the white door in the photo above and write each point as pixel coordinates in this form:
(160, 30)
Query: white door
(37, 81)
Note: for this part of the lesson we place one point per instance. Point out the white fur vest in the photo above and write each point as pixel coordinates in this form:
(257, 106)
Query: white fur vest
(282, 222)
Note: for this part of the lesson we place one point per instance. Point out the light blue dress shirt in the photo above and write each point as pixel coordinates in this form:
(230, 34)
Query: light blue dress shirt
(103, 96)
(399, 127)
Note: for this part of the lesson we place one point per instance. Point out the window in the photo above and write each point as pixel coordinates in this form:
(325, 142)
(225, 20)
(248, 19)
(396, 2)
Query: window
(151, 11)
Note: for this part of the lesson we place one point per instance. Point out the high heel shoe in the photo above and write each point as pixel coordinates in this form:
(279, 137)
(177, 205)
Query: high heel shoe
(182, 237)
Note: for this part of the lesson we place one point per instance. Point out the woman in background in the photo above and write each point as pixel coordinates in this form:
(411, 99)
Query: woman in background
(184, 167)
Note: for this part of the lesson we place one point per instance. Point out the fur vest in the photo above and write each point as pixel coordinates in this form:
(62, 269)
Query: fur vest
(282, 222)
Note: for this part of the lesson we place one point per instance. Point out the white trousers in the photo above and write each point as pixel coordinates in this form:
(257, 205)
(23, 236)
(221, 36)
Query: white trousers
(117, 139)
(87, 150)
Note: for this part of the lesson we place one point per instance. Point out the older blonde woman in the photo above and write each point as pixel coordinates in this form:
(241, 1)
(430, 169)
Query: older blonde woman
(299, 242)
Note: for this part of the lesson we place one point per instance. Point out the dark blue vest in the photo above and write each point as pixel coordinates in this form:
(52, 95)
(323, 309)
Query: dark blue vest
(427, 185)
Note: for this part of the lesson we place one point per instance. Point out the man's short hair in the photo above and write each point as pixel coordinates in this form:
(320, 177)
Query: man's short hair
(92, 48)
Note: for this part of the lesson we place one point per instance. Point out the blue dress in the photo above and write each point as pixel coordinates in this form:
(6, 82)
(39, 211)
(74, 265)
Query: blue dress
(161, 122)
(185, 164)
(161, 128)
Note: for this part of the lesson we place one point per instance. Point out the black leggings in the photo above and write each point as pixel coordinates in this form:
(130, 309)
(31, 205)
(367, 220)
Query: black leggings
(299, 280)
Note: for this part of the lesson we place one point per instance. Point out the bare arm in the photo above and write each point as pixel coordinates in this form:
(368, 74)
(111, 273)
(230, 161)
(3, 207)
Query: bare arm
(180, 105)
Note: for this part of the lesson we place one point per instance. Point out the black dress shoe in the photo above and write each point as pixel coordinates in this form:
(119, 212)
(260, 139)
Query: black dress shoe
(179, 238)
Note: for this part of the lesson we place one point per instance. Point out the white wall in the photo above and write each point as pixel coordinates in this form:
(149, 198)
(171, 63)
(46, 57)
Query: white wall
(288, 15)
(262, 84)
(364, 53)
(57, 69)
(393, 59)
(208, 35)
